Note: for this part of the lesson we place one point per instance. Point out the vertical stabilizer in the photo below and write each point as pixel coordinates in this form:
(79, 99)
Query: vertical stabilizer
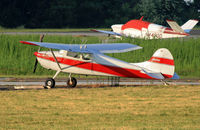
(187, 27)
(161, 62)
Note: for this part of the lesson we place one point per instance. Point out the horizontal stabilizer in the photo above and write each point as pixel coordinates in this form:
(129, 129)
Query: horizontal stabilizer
(88, 48)
(107, 32)
(175, 76)
(154, 74)
(175, 26)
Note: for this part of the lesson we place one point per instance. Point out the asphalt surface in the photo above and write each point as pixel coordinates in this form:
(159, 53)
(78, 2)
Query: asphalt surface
(193, 33)
(81, 33)
(23, 84)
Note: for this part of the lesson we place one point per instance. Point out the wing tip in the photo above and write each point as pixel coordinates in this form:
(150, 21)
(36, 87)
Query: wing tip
(93, 30)
(29, 43)
(170, 20)
(195, 20)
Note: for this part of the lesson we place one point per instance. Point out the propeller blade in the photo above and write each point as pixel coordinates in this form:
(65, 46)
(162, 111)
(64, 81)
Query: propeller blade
(35, 66)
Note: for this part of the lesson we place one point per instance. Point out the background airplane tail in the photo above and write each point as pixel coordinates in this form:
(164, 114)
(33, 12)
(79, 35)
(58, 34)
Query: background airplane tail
(187, 27)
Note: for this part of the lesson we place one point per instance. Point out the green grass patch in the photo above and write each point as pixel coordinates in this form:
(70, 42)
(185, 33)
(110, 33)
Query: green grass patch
(155, 107)
(18, 59)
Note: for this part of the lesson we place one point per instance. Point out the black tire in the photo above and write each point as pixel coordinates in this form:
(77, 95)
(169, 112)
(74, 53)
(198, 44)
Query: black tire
(50, 83)
(71, 84)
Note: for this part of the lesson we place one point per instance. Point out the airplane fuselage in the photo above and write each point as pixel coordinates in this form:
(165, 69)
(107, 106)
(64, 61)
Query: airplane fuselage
(143, 29)
(92, 65)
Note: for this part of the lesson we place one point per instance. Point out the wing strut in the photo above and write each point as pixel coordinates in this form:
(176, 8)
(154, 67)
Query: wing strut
(58, 71)
(55, 59)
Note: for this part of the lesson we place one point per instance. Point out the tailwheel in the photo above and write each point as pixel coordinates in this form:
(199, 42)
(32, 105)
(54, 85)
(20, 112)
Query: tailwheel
(49, 83)
(71, 82)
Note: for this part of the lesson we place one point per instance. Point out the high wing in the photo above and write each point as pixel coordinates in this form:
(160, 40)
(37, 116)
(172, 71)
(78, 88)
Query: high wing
(88, 48)
(175, 26)
(107, 32)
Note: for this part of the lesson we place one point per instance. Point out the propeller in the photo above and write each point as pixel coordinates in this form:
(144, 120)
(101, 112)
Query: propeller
(35, 66)
(36, 61)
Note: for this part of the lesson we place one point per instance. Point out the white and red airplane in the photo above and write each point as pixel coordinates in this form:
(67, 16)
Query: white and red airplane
(147, 30)
(90, 60)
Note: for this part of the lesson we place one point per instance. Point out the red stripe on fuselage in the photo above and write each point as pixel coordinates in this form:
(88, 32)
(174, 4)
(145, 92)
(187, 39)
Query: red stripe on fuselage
(162, 60)
(167, 76)
(113, 70)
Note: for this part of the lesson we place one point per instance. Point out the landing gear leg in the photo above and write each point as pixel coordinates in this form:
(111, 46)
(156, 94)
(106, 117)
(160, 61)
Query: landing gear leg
(71, 82)
(50, 82)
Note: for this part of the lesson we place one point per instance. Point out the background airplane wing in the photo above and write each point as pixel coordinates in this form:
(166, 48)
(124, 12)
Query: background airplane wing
(107, 32)
(88, 48)
(175, 26)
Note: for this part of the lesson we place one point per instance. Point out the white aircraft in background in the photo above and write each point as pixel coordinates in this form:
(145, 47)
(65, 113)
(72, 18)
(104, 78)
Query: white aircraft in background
(90, 60)
(144, 29)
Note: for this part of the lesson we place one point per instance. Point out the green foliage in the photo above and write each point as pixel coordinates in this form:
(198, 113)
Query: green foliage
(18, 59)
(161, 10)
(91, 13)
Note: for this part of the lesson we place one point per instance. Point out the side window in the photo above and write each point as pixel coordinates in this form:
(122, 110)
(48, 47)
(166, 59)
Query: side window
(82, 56)
(72, 54)
(86, 56)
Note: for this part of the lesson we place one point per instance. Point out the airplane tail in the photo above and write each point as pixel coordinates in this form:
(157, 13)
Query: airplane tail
(187, 27)
(160, 66)
(162, 61)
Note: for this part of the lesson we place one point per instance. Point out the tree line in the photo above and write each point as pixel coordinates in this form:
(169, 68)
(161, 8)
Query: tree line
(92, 13)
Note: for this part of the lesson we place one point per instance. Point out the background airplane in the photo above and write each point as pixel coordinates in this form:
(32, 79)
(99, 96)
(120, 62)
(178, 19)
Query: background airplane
(90, 60)
(144, 29)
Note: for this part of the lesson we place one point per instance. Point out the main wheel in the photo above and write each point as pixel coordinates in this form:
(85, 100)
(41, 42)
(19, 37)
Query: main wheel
(71, 83)
(50, 83)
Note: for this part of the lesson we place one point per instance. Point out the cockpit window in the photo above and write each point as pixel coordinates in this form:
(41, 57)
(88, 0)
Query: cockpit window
(82, 56)
(72, 54)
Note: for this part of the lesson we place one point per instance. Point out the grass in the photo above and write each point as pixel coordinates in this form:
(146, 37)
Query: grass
(150, 107)
(18, 59)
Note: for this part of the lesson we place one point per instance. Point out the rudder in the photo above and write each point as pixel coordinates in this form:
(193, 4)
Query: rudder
(162, 61)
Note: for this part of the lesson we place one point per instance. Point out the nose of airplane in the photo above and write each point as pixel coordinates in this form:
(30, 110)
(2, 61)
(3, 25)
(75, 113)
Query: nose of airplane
(117, 28)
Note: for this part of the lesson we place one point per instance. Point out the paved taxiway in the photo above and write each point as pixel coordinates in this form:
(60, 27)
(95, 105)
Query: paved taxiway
(193, 33)
(16, 85)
